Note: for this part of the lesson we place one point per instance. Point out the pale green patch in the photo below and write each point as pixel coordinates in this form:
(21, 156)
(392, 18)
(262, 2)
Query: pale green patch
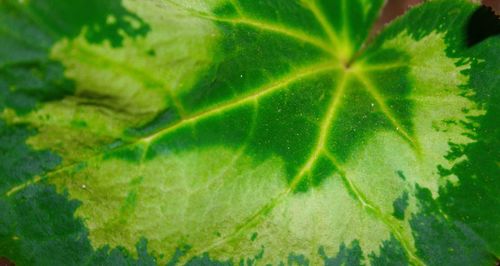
(183, 44)
(146, 74)
(440, 103)
(436, 79)
(302, 223)
(73, 130)
(374, 169)
(199, 5)
(120, 88)
(203, 199)
(192, 198)
(437, 95)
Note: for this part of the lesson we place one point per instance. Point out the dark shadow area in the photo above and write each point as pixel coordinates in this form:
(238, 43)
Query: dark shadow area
(6, 262)
(483, 23)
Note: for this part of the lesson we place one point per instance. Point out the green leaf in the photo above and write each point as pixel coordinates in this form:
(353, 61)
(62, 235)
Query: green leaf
(246, 132)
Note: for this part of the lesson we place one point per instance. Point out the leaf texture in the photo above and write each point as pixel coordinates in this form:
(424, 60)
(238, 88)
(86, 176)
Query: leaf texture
(246, 132)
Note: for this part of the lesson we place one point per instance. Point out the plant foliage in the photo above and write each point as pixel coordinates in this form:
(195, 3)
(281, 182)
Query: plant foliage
(231, 132)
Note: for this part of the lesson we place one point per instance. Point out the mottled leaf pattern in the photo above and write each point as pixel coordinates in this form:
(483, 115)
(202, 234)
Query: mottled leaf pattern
(231, 132)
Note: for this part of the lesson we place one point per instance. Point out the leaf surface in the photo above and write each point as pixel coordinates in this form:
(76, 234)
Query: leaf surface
(246, 132)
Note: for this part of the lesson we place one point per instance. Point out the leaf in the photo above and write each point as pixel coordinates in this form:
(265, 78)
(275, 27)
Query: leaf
(246, 132)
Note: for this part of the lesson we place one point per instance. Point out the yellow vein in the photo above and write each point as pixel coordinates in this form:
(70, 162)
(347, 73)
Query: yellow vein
(24, 185)
(370, 88)
(318, 151)
(366, 204)
(253, 219)
(325, 128)
(378, 67)
(237, 7)
(266, 90)
(320, 17)
(260, 92)
(266, 26)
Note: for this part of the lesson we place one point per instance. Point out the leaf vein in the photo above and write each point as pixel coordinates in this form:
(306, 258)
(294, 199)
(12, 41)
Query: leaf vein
(147, 140)
(370, 88)
(372, 208)
(266, 26)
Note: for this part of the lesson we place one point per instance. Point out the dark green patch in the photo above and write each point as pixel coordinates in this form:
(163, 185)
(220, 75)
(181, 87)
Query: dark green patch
(400, 205)
(474, 201)
(360, 118)
(66, 19)
(79, 124)
(254, 260)
(151, 52)
(401, 175)
(289, 122)
(321, 171)
(391, 254)
(24, 84)
(120, 256)
(297, 260)
(129, 153)
(19, 162)
(226, 10)
(179, 253)
(292, 14)
(205, 260)
(443, 242)
(231, 128)
(130, 202)
(393, 83)
(254, 236)
(350, 21)
(346, 256)
(29, 231)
